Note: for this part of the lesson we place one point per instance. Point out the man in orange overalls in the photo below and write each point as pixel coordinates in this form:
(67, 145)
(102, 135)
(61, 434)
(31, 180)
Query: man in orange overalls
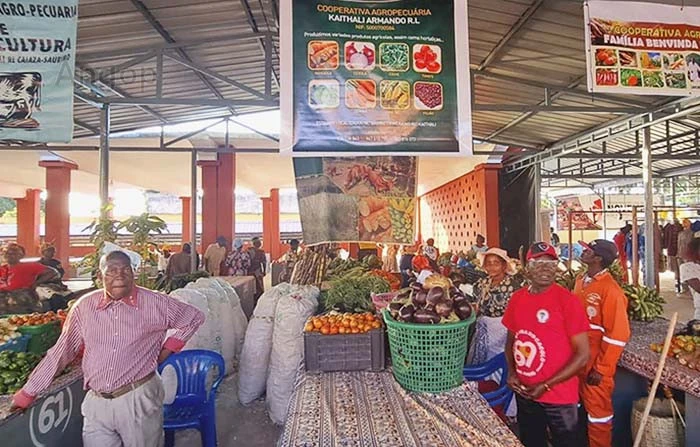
(606, 307)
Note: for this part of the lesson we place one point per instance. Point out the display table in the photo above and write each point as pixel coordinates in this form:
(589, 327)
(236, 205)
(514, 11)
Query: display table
(245, 288)
(639, 364)
(53, 420)
(372, 410)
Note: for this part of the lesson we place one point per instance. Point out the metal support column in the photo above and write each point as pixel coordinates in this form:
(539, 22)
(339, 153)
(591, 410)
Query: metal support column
(605, 215)
(538, 204)
(104, 157)
(673, 196)
(193, 210)
(649, 230)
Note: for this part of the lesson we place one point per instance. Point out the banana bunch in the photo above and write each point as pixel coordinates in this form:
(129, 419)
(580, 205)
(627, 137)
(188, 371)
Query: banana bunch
(402, 210)
(643, 304)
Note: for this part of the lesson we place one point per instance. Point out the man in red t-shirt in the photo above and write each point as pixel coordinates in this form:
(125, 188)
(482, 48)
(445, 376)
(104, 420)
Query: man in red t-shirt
(546, 349)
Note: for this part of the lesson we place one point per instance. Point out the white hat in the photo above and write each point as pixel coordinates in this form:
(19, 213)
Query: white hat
(501, 254)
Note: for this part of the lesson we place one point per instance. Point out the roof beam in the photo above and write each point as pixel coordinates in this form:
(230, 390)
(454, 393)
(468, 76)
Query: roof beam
(526, 108)
(262, 43)
(512, 32)
(160, 29)
(222, 103)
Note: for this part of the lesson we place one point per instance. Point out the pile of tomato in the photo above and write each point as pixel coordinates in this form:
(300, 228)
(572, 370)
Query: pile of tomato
(347, 323)
(427, 59)
(36, 318)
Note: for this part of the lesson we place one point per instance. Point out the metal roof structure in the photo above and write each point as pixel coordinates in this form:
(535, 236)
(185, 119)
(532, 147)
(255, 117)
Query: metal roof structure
(160, 62)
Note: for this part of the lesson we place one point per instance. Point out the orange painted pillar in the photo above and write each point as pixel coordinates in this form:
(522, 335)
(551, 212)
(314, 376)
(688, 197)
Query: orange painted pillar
(209, 199)
(487, 175)
(354, 250)
(29, 221)
(225, 197)
(186, 219)
(276, 243)
(267, 224)
(58, 174)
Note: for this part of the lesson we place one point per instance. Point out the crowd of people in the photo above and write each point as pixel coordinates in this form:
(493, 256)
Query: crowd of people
(562, 348)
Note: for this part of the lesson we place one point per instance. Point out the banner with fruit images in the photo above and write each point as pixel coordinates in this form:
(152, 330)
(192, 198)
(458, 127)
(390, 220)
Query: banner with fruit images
(642, 48)
(359, 199)
(374, 77)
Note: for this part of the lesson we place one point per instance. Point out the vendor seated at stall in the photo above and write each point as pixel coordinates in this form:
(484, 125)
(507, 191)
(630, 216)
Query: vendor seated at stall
(48, 253)
(18, 280)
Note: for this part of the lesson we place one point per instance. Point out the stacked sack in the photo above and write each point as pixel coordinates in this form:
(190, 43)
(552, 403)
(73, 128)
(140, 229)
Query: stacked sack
(273, 349)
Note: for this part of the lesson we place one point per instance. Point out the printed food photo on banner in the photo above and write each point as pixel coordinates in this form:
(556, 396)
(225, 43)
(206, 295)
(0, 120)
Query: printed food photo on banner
(656, 53)
(37, 63)
(357, 199)
(373, 79)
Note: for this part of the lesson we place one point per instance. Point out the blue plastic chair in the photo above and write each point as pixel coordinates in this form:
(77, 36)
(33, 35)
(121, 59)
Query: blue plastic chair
(501, 396)
(194, 406)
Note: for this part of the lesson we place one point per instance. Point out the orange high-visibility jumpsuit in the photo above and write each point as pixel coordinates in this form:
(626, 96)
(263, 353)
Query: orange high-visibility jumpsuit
(606, 307)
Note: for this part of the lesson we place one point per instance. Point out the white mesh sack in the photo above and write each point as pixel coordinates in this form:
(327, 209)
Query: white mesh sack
(228, 335)
(201, 339)
(240, 321)
(255, 358)
(214, 304)
(291, 314)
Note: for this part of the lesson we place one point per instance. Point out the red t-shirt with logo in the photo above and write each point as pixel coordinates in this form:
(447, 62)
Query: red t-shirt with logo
(543, 325)
(19, 276)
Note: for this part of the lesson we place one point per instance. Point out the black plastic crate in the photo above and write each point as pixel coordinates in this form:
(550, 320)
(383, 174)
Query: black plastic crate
(346, 352)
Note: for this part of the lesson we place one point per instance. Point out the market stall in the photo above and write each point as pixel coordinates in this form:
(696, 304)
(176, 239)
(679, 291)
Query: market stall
(245, 288)
(53, 420)
(639, 364)
(371, 409)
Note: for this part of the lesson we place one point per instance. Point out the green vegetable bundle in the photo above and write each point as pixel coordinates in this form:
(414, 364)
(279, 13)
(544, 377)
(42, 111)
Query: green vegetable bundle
(643, 304)
(351, 294)
(15, 368)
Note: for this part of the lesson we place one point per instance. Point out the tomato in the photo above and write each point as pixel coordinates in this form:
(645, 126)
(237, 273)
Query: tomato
(334, 330)
(431, 56)
(425, 49)
(318, 324)
(309, 327)
(601, 55)
(632, 81)
(434, 67)
(420, 64)
(325, 330)
(610, 61)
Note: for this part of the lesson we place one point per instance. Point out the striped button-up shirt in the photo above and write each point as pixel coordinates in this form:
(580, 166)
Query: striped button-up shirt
(121, 340)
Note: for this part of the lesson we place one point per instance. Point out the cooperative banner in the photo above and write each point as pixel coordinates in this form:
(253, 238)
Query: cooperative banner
(375, 77)
(37, 60)
(369, 199)
(642, 48)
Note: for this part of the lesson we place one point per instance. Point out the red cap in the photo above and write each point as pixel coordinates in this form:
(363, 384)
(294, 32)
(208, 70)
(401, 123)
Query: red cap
(539, 249)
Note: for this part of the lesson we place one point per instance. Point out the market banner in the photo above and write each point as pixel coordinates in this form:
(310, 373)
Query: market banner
(370, 199)
(642, 48)
(37, 61)
(383, 77)
(580, 220)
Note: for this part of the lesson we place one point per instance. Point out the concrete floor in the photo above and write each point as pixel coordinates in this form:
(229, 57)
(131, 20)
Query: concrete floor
(236, 425)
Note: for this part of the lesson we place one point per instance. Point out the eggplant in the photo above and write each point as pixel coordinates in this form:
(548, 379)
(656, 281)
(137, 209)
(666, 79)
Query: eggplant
(454, 291)
(394, 306)
(463, 310)
(416, 286)
(443, 308)
(403, 294)
(435, 295)
(406, 313)
(423, 316)
(420, 298)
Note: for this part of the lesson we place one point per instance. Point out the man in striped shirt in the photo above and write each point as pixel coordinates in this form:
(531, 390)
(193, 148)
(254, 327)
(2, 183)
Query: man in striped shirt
(122, 331)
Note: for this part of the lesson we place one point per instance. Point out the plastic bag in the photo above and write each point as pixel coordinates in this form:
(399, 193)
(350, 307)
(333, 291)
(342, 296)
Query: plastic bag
(291, 314)
(255, 357)
(240, 321)
(200, 340)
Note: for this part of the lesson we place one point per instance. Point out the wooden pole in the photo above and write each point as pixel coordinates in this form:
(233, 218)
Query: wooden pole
(635, 248)
(657, 379)
(571, 240)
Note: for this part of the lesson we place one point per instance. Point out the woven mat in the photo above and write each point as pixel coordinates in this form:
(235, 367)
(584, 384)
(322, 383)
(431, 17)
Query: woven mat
(639, 358)
(363, 409)
(58, 383)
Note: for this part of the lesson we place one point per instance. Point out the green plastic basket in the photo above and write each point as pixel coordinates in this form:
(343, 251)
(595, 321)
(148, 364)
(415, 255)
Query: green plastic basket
(428, 358)
(44, 336)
